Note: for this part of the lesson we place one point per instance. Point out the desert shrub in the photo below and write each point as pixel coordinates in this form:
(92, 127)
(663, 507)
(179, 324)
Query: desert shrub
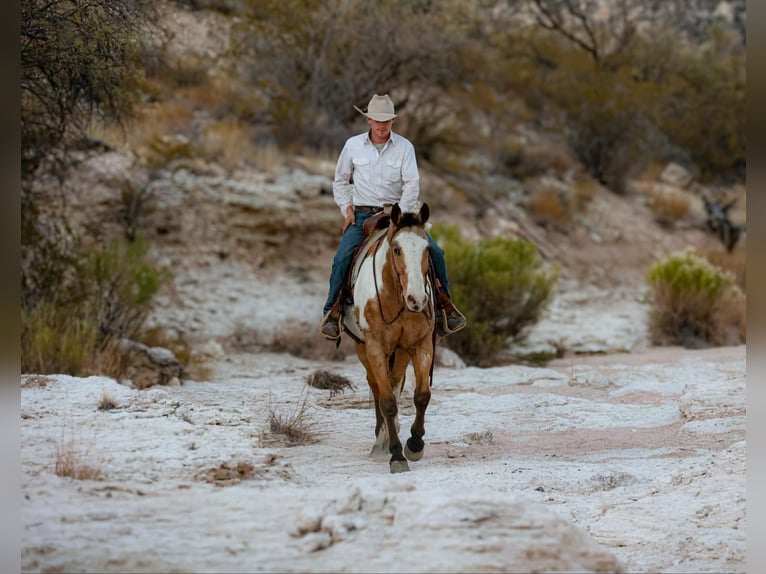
(502, 285)
(704, 114)
(294, 425)
(101, 296)
(314, 59)
(624, 99)
(667, 205)
(549, 206)
(694, 303)
(67, 81)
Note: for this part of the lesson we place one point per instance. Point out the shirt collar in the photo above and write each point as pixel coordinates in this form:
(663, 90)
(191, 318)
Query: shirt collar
(391, 138)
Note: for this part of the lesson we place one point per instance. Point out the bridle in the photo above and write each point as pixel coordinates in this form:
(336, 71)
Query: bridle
(400, 294)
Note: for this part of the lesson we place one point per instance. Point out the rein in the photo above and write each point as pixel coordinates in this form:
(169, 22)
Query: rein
(377, 293)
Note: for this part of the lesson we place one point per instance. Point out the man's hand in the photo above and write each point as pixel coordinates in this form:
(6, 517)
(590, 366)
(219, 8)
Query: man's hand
(349, 220)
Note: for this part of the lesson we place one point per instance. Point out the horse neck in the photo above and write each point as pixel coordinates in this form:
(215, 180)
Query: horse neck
(389, 280)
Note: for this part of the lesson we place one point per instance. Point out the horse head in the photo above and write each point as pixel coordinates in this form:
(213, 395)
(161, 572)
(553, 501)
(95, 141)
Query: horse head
(409, 255)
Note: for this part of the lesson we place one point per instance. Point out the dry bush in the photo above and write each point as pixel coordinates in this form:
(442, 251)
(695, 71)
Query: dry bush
(227, 143)
(336, 384)
(295, 424)
(223, 99)
(186, 70)
(546, 206)
(70, 462)
(533, 160)
(668, 205)
(106, 403)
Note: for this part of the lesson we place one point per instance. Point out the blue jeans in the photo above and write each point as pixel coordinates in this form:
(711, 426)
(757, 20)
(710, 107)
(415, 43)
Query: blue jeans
(348, 244)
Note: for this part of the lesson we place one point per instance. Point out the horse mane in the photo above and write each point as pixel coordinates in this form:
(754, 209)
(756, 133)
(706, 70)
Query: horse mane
(409, 220)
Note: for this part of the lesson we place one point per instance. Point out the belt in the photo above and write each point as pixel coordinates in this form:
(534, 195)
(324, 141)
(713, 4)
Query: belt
(369, 208)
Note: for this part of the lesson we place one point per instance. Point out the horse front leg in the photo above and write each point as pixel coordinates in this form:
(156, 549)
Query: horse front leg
(379, 450)
(387, 405)
(421, 362)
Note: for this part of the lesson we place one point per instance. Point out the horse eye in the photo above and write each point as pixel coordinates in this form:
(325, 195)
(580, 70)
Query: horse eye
(397, 251)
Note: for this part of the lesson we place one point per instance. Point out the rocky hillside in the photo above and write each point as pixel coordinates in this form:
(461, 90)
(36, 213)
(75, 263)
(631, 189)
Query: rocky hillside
(250, 243)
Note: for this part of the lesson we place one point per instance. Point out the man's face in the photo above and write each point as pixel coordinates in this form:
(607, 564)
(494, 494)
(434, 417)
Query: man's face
(380, 130)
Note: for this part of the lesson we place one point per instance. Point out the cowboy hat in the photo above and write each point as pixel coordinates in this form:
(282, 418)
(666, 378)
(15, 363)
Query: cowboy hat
(380, 109)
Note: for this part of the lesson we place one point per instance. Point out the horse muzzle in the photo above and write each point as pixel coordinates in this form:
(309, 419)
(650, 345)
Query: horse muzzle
(416, 304)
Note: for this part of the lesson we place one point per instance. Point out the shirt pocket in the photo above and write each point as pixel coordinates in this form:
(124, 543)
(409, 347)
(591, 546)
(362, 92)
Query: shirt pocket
(360, 161)
(392, 170)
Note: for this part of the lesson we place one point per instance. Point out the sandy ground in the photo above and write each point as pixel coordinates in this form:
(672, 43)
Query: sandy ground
(632, 463)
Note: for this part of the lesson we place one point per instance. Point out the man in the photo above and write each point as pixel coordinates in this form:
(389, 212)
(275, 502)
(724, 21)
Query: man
(377, 169)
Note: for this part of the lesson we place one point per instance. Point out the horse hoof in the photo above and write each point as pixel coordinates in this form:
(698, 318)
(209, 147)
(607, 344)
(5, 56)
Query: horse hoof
(413, 456)
(398, 466)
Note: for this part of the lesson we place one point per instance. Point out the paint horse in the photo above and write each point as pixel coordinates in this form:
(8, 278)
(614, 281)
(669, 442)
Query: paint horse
(393, 311)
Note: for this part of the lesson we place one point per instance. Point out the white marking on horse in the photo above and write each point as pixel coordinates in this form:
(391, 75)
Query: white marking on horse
(364, 289)
(412, 246)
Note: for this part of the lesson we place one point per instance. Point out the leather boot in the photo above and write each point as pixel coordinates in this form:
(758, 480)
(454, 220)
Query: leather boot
(330, 325)
(448, 319)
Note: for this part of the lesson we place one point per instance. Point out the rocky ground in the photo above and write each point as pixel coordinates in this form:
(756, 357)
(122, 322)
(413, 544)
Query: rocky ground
(619, 456)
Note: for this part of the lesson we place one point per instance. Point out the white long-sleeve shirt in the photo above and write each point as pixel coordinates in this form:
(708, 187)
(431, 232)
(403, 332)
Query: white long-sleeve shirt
(364, 176)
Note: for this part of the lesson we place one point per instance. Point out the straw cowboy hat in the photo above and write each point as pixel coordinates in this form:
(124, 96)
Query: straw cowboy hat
(380, 109)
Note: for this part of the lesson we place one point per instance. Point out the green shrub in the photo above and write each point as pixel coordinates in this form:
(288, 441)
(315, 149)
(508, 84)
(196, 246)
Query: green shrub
(502, 286)
(694, 303)
(53, 340)
(107, 295)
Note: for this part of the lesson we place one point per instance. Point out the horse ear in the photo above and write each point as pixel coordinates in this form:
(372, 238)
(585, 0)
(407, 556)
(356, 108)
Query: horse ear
(396, 213)
(424, 213)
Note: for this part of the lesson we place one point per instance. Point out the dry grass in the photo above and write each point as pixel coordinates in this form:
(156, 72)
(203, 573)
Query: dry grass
(228, 143)
(668, 205)
(293, 424)
(106, 403)
(71, 462)
(268, 158)
(336, 384)
(546, 207)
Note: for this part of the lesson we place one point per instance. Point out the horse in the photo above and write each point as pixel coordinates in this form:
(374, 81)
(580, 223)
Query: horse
(393, 311)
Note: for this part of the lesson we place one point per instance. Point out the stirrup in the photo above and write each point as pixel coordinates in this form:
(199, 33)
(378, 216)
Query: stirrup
(327, 320)
(444, 321)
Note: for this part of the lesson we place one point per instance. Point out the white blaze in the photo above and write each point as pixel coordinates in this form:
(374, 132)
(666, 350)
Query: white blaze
(412, 246)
